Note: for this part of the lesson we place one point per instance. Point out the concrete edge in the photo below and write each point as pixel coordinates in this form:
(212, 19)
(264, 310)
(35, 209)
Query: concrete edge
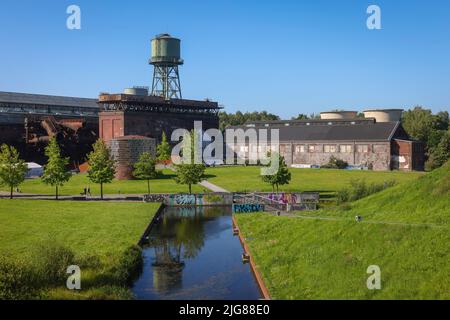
(152, 223)
(253, 267)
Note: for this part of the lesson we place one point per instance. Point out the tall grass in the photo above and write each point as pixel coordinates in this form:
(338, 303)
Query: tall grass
(359, 189)
(44, 273)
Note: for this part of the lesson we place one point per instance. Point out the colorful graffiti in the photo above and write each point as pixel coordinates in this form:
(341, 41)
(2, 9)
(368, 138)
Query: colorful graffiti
(155, 197)
(283, 197)
(182, 200)
(247, 207)
(291, 198)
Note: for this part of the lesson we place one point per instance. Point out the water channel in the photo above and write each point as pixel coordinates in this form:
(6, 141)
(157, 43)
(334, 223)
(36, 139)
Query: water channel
(191, 254)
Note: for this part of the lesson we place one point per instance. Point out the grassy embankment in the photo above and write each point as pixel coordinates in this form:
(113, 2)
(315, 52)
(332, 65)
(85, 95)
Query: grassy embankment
(303, 258)
(325, 181)
(75, 186)
(99, 235)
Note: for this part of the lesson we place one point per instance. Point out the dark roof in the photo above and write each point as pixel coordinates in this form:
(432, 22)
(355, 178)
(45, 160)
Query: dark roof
(40, 99)
(383, 131)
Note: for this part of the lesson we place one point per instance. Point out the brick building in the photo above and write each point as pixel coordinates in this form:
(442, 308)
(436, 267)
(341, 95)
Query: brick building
(361, 142)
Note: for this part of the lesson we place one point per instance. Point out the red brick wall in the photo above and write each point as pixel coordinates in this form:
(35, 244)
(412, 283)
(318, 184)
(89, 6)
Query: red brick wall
(111, 125)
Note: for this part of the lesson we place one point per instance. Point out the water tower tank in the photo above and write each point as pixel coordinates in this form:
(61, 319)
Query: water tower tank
(137, 91)
(333, 115)
(166, 50)
(384, 115)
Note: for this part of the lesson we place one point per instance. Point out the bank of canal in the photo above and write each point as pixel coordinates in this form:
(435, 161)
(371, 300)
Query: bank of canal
(191, 253)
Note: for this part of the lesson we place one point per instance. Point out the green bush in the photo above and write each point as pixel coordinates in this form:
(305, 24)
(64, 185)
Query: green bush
(17, 281)
(129, 266)
(50, 261)
(335, 163)
(359, 189)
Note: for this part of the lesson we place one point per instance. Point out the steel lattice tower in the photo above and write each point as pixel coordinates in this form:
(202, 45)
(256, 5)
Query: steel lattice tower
(165, 60)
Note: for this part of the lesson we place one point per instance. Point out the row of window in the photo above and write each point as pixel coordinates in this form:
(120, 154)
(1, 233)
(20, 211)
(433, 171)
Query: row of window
(327, 148)
(332, 148)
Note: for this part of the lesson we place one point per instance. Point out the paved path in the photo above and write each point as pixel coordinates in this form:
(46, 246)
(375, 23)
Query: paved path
(212, 187)
(116, 197)
(208, 185)
(403, 224)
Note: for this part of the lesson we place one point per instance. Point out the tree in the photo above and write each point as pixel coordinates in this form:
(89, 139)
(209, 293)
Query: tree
(419, 123)
(145, 168)
(12, 169)
(440, 154)
(163, 149)
(422, 125)
(190, 173)
(55, 172)
(101, 165)
(239, 118)
(281, 177)
(300, 116)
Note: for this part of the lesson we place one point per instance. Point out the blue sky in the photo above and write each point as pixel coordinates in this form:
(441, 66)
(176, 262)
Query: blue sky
(286, 57)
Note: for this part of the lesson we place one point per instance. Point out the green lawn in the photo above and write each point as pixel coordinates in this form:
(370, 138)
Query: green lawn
(325, 181)
(78, 182)
(327, 259)
(102, 230)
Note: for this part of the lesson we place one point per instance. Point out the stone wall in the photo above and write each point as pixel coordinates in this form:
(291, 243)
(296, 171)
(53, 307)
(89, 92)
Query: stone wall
(126, 151)
(375, 155)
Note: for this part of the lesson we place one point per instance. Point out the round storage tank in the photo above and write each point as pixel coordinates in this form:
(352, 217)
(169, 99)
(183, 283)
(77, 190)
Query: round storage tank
(333, 115)
(126, 151)
(166, 49)
(384, 115)
(137, 91)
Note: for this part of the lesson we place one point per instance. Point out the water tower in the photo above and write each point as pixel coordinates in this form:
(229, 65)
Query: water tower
(165, 60)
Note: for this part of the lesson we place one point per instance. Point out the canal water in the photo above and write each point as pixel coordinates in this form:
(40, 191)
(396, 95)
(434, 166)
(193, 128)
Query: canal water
(191, 253)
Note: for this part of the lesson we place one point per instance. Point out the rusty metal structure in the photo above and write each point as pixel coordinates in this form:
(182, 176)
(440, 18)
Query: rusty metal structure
(149, 116)
(166, 58)
(28, 121)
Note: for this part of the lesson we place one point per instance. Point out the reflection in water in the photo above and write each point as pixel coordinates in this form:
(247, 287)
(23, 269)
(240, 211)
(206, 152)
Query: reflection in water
(191, 254)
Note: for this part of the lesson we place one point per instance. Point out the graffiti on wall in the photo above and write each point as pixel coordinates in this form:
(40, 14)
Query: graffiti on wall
(291, 198)
(283, 197)
(247, 207)
(181, 200)
(155, 197)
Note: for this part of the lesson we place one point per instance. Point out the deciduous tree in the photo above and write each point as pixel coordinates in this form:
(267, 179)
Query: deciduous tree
(55, 172)
(101, 165)
(12, 169)
(145, 168)
(281, 177)
(163, 149)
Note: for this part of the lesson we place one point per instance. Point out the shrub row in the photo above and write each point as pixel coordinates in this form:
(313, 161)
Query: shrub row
(359, 189)
(46, 268)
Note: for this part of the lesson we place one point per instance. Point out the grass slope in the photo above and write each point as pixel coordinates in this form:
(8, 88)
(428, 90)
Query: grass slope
(99, 230)
(78, 182)
(325, 181)
(327, 259)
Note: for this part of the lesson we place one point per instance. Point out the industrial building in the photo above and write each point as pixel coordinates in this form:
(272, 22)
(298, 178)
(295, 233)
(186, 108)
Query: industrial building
(131, 122)
(28, 121)
(376, 142)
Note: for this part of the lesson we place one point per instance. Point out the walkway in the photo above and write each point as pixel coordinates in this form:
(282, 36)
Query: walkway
(212, 187)
(403, 224)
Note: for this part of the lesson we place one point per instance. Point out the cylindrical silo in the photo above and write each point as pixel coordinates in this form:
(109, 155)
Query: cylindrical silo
(384, 115)
(337, 115)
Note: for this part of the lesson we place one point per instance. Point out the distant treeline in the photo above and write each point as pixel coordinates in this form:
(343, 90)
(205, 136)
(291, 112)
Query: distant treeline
(239, 118)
